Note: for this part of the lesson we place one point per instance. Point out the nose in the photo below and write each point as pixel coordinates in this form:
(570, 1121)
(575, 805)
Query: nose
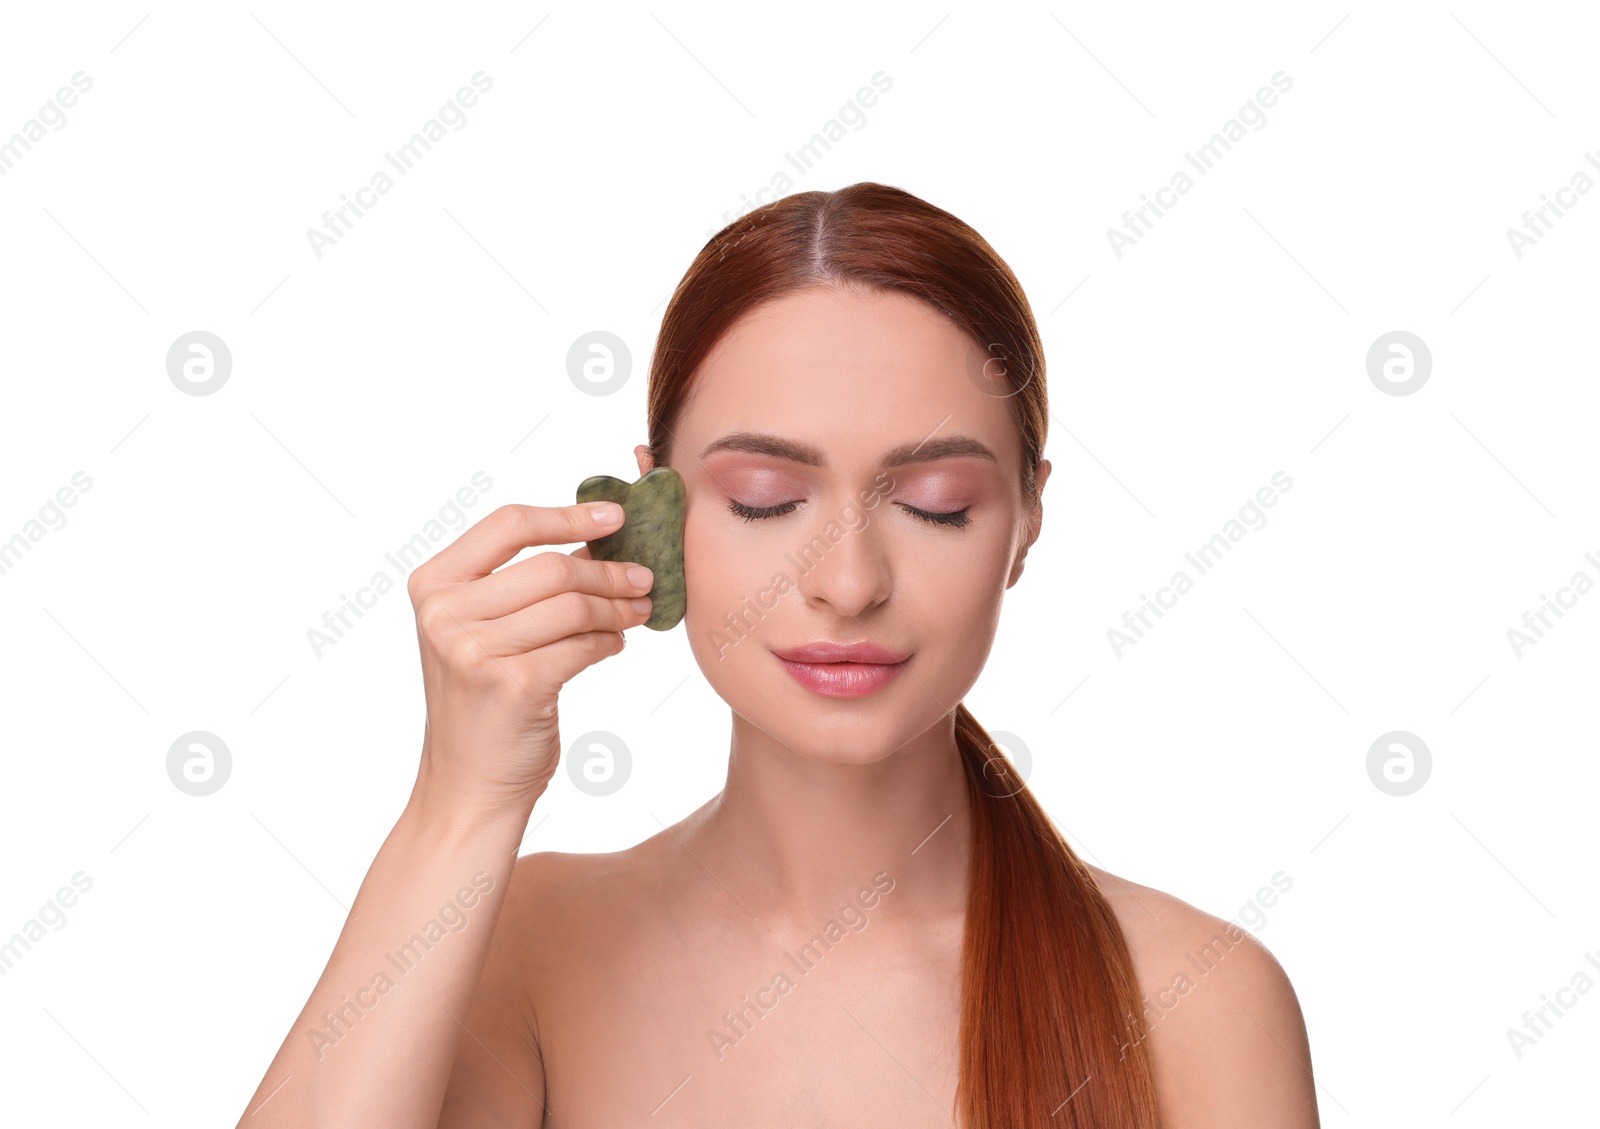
(845, 565)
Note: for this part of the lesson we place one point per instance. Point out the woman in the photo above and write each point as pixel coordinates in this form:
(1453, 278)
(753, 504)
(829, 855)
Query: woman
(874, 923)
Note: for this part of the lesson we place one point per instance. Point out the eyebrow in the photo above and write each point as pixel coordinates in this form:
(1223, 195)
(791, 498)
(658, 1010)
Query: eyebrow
(757, 443)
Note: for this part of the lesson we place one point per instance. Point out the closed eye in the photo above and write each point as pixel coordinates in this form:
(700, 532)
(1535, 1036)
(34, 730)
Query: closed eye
(954, 518)
(751, 513)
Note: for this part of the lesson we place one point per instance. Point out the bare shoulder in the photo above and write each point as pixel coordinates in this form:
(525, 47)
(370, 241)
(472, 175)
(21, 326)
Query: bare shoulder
(1226, 1036)
(497, 1077)
(557, 886)
(552, 892)
(547, 920)
(565, 906)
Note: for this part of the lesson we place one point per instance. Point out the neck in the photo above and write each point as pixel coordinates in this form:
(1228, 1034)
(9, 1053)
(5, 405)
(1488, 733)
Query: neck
(795, 834)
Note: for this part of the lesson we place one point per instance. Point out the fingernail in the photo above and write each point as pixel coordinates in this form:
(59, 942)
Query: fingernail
(641, 604)
(640, 576)
(606, 513)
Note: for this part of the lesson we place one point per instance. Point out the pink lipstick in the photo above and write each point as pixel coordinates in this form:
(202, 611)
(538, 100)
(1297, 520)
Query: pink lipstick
(842, 670)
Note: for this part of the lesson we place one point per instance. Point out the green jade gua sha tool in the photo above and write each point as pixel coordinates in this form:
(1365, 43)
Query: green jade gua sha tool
(651, 535)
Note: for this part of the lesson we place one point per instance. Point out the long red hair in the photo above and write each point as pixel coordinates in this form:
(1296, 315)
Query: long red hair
(1052, 1024)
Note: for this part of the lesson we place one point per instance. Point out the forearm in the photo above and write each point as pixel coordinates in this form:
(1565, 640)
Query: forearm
(375, 1041)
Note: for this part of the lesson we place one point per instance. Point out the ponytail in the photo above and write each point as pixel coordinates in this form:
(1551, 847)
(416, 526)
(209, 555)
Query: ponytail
(1052, 1024)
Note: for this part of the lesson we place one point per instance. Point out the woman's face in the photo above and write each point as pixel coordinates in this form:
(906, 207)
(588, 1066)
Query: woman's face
(798, 532)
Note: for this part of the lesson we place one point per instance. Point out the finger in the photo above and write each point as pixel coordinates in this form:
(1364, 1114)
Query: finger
(567, 614)
(543, 673)
(500, 535)
(545, 575)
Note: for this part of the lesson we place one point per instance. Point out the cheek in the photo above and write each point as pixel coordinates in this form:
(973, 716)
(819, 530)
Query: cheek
(954, 596)
(954, 569)
(723, 564)
(733, 599)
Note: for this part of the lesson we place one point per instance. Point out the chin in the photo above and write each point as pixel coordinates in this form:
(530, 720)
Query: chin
(841, 742)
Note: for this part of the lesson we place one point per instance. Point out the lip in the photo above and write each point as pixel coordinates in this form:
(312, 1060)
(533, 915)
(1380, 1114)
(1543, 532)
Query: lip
(842, 670)
(827, 651)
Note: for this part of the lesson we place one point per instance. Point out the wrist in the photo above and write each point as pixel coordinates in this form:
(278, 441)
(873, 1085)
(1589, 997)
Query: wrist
(450, 820)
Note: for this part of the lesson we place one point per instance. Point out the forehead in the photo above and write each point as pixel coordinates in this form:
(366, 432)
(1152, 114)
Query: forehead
(855, 372)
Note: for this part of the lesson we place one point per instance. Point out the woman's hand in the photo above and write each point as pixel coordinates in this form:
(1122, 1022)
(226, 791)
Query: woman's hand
(497, 647)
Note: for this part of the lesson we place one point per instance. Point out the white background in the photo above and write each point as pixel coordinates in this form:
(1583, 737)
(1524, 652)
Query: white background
(368, 385)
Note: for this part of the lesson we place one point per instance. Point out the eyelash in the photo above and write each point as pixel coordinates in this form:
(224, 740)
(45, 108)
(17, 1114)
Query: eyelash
(955, 519)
